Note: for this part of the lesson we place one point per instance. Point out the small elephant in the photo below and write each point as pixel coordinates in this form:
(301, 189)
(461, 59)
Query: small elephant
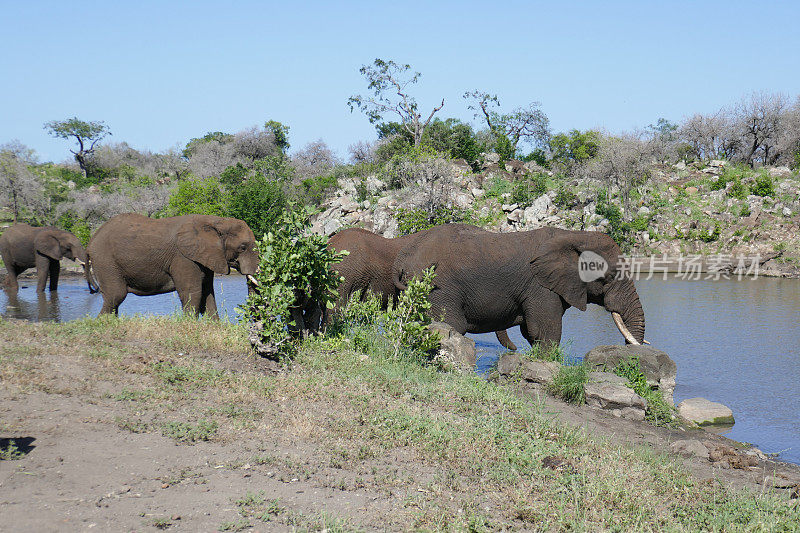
(489, 281)
(369, 264)
(135, 254)
(23, 247)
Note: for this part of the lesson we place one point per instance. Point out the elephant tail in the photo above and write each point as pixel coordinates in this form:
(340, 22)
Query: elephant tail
(91, 281)
(397, 278)
(502, 337)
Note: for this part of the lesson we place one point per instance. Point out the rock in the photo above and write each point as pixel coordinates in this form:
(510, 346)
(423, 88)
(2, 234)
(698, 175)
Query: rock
(680, 165)
(656, 365)
(535, 168)
(455, 347)
(478, 193)
(717, 163)
(331, 226)
(509, 207)
(780, 172)
(786, 212)
(606, 377)
(508, 363)
(542, 372)
(643, 211)
(779, 482)
(705, 413)
(537, 210)
(490, 158)
(514, 166)
(374, 185)
(691, 189)
(462, 200)
(514, 216)
(689, 448)
(620, 400)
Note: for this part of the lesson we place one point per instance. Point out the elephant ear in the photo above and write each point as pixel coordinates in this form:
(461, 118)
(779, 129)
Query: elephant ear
(47, 245)
(201, 242)
(555, 267)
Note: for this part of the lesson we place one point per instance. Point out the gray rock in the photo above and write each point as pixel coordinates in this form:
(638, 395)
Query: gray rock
(542, 372)
(462, 200)
(618, 399)
(508, 363)
(490, 158)
(331, 226)
(690, 448)
(680, 165)
(718, 163)
(514, 216)
(606, 377)
(705, 413)
(786, 212)
(455, 347)
(780, 172)
(509, 207)
(477, 193)
(656, 365)
(374, 184)
(537, 210)
(643, 211)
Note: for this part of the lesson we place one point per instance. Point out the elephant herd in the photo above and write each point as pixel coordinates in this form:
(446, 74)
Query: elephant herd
(484, 281)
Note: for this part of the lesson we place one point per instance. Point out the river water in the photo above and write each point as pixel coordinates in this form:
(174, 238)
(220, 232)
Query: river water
(734, 342)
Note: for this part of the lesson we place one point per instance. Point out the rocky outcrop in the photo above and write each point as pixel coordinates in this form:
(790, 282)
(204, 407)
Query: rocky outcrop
(656, 365)
(608, 391)
(705, 413)
(455, 348)
(512, 366)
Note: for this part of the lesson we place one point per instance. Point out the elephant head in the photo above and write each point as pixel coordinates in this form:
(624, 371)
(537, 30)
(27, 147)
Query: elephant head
(584, 267)
(218, 243)
(56, 244)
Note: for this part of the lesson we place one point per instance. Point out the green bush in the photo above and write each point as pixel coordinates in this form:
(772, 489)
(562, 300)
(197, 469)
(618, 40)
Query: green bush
(454, 139)
(260, 202)
(414, 220)
(292, 264)
(565, 199)
(710, 235)
(401, 331)
(738, 190)
(658, 411)
(744, 210)
(234, 175)
(619, 230)
(574, 148)
(197, 197)
(69, 221)
(528, 189)
(314, 190)
(496, 187)
(764, 186)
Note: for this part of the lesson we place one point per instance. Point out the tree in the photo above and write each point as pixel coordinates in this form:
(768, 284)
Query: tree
(572, 150)
(760, 119)
(280, 134)
(389, 84)
(20, 191)
(86, 133)
(527, 124)
(197, 197)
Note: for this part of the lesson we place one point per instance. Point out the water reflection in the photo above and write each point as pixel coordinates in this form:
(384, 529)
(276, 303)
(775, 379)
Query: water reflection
(46, 306)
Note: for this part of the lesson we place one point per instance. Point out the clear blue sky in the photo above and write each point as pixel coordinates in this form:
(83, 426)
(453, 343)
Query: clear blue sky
(160, 73)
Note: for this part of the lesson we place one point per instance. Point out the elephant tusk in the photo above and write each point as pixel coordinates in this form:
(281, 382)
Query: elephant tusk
(81, 263)
(252, 280)
(622, 329)
(645, 341)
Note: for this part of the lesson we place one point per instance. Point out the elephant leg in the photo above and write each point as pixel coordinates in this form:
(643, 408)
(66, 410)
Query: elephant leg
(55, 270)
(209, 304)
(502, 338)
(190, 284)
(11, 277)
(42, 272)
(299, 323)
(542, 328)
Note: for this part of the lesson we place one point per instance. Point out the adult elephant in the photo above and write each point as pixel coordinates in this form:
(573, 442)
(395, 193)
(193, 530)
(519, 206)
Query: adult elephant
(135, 254)
(490, 281)
(369, 264)
(23, 247)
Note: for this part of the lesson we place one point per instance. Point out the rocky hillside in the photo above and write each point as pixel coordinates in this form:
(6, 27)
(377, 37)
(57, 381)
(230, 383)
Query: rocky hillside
(679, 210)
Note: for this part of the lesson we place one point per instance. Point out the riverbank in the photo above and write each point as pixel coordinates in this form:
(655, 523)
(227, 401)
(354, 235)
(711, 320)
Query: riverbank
(172, 423)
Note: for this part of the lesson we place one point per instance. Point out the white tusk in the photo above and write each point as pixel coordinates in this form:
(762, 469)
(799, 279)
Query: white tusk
(622, 329)
(645, 341)
(82, 263)
(252, 280)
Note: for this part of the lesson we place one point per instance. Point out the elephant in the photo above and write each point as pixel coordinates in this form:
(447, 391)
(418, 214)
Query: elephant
(490, 281)
(23, 247)
(132, 253)
(368, 266)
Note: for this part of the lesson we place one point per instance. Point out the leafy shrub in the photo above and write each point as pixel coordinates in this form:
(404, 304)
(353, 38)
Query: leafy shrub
(575, 148)
(293, 266)
(738, 190)
(186, 432)
(69, 221)
(640, 223)
(234, 175)
(744, 210)
(454, 139)
(399, 331)
(528, 189)
(620, 230)
(709, 235)
(538, 351)
(496, 187)
(569, 383)
(314, 190)
(658, 411)
(565, 199)
(763, 186)
(414, 220)
(198, 197)
(260, 202)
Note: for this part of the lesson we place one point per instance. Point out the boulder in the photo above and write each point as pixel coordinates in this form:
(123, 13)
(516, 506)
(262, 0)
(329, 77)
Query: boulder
(618, 399)
(374, 185)
(514, 216)
(656, 365)
(454, 347)
(462, 200)
(509, 207)
(780, 172)
(537, 210)
(477, 193)
(490, 158)
(705, 413)
(511, 365)
(514, 166)
(689, 448)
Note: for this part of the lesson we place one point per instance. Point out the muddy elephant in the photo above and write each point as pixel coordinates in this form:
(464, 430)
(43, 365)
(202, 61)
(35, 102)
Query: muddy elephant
(23, 247)
(369, 264)
(490, 281)
(135, 254)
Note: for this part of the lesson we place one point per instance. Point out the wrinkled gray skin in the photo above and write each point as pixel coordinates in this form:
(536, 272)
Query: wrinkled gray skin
(135, 254)
(23, 247)
(369, 264)
(491, 281)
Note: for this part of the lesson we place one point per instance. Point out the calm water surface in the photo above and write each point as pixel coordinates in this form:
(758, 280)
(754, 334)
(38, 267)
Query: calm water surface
(735, 342)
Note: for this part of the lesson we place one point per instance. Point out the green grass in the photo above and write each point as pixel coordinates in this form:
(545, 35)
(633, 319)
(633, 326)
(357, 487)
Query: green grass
(190, 433)
(11, 452)
(569, 383)
(658, 411)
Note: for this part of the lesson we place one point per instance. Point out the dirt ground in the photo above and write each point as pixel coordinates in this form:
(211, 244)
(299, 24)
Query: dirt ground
(87, 467)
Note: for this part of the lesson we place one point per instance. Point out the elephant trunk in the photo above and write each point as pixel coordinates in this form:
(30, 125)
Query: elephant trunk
(622, 300)
(247, 263)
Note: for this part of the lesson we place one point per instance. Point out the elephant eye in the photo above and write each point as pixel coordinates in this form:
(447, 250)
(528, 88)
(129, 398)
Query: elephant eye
(242, 247)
